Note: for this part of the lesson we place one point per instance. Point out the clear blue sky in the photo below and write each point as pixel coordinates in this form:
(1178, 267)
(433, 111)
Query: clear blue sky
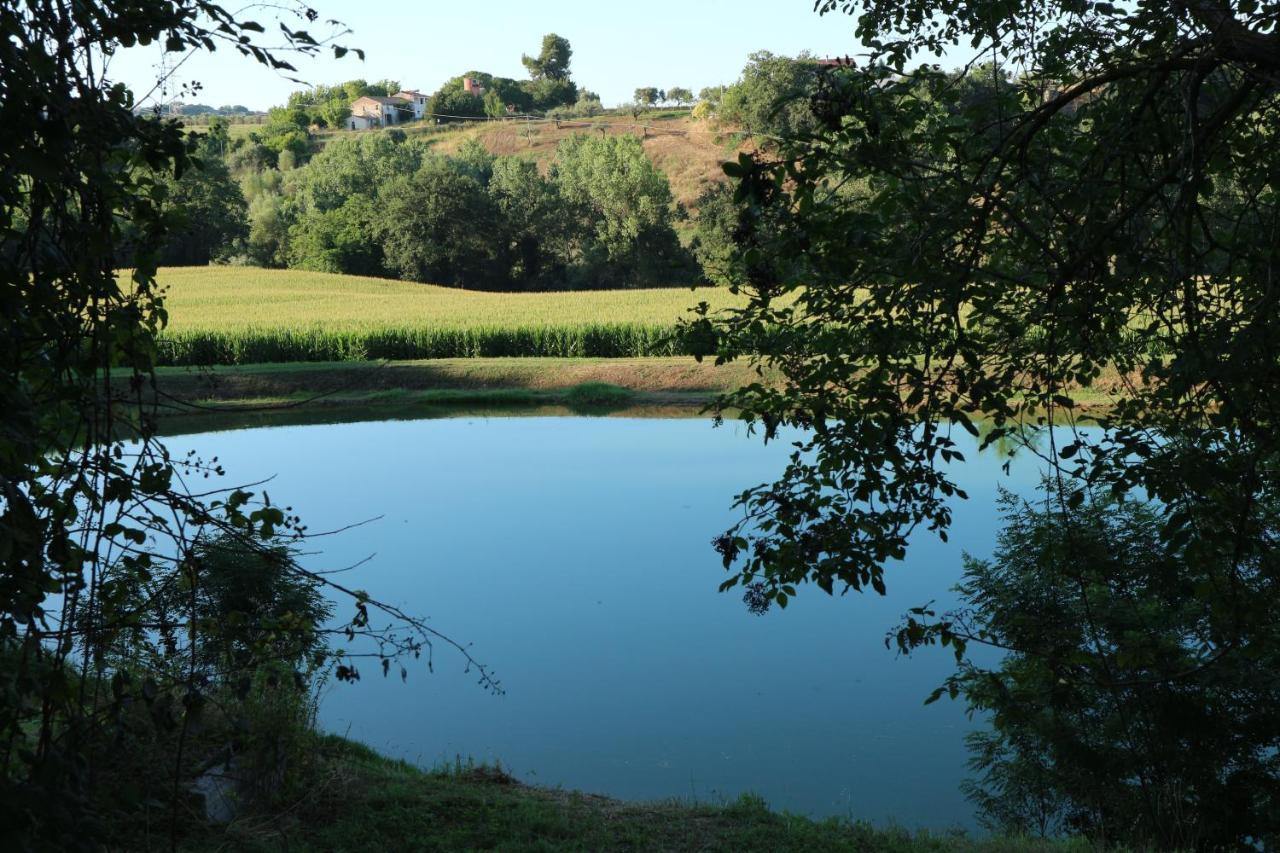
(616, 46)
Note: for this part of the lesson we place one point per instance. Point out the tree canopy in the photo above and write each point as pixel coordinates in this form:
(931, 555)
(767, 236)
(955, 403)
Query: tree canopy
(552, 62)
(773, 97)
(622, 200)
(680, 95)
(1087, 212)
(452, 100)
(379, 204)
(648, 95)
(964, 274)
(329, 106)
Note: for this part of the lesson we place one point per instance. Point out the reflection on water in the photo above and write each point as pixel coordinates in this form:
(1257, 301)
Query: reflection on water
(221, 417)
(573, 553)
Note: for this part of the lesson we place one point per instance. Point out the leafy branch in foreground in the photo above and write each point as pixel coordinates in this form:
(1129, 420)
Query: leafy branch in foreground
(978, 247)
(104, 546)
(1094, 196)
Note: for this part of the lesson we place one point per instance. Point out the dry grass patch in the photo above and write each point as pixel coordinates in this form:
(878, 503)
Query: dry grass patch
(686, 151)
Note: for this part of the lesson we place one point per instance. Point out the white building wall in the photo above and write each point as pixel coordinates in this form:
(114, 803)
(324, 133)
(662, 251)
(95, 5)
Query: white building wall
(388, 114)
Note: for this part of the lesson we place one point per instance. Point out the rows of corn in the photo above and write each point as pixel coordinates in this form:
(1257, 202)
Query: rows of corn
(242, 315)
(263, 345)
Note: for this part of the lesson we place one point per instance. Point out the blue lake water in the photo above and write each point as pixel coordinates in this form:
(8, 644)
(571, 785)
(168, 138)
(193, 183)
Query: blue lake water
(574, 555)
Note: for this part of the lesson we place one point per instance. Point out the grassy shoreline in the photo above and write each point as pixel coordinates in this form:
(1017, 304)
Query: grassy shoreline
(358, 800)
(194, 399)
(199, 399)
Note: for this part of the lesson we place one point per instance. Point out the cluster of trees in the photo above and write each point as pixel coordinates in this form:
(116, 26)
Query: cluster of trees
(715, 240)
(329, 106)
(772, 98)
(286, 132)
(381, 204)
(211, 211)
(228, 205)
(249, 203)
(549, 87)
(587, 105)
(651, 96)
(603, 216)
(206, 110)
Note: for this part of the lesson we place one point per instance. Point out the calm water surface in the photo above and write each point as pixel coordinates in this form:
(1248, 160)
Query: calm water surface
(573, 554)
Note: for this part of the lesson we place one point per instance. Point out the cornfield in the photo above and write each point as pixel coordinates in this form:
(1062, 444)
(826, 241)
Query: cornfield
(242, 315)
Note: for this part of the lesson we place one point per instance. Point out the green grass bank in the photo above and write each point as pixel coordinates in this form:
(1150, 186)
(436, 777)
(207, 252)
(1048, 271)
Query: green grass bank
(198, 399)
(357, 800)
(190, 399)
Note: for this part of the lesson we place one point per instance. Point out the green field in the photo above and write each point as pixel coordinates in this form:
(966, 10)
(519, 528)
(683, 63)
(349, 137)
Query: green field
(244, 315)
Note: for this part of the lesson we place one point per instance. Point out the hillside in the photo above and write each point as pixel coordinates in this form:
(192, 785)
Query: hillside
(227, 298)
(689, 152)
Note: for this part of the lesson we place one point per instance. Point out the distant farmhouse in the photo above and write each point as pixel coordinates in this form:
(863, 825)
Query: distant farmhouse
(373, 111)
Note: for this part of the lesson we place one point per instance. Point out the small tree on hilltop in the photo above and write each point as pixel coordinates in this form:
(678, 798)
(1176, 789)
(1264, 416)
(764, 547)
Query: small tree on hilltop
(711, 94)
(552, 63)
(648, 96)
